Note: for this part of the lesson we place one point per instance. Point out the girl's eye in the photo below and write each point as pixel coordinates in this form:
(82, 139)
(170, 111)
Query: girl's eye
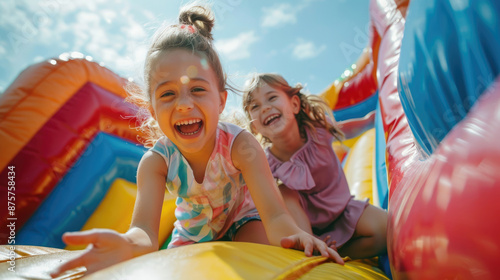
(167, 93)
(254, 106)
(272, 98)
(198, 89)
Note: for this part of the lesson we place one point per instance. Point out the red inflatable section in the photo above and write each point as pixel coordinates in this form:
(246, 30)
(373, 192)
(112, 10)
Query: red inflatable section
(388, 21)
(363, 82)
(441, 221)
(358, 82)
(357, 89)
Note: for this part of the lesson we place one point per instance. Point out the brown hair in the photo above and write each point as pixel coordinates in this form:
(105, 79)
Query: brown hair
(193, 33)
(314, 112)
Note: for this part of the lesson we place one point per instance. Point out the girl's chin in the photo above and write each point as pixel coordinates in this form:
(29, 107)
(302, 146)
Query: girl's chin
(190, 148)
(275, 128)
(271, 135)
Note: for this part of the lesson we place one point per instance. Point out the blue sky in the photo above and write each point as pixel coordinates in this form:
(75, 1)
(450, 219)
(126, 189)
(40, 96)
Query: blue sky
(307, 41)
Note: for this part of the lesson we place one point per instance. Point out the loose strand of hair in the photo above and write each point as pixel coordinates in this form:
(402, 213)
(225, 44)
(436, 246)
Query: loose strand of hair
(317, 113)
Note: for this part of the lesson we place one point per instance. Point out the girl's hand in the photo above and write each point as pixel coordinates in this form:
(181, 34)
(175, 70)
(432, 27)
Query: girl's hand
(105, 248)
(331, 243)
(308, 243)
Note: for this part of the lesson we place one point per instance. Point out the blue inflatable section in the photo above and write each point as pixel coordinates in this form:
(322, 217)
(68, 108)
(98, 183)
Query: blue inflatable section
(106, 159)
(449, 56)
(358, 110)
(380, 166)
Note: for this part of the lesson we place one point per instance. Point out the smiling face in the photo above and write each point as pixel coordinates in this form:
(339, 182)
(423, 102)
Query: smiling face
(186, 101)
(273, 112)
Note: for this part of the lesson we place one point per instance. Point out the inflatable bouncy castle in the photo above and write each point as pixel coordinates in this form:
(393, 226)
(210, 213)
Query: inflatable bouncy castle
(420, 110)
(437, 75)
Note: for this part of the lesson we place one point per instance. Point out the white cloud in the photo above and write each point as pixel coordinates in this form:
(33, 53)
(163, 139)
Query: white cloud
(38, 58)
(134, 30)
(238, 47)
(307, 49)
(116, 39)
(108, 31)
(108, 15)
(279, 15)
(35, 30)
(272, 53)
(282, 14)
(149, 15)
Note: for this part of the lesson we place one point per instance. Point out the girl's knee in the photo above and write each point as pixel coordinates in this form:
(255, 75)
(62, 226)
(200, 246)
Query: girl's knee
(380, 226)
(382, 221)
(373, 222)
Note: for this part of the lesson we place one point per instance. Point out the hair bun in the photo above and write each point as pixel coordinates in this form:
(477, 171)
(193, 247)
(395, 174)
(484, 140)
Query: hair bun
(200, 17)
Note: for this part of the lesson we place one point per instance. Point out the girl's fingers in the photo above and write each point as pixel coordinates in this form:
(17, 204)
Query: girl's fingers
(74, 263)
(95, 266)
(327, 239)
(308, 249)
(309, 246)
(288, 243)
(322, 248)
(334, 255)
(80, 238)
(328, 252)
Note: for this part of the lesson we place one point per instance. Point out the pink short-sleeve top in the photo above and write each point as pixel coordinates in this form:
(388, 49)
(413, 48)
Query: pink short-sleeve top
(316, 173)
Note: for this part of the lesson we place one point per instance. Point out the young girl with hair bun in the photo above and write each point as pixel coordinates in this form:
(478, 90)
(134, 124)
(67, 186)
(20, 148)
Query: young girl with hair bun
(217, 170)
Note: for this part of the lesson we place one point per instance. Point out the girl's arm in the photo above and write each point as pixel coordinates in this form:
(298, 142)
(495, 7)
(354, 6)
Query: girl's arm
(281, 229)
(107, 247)
(151, 176)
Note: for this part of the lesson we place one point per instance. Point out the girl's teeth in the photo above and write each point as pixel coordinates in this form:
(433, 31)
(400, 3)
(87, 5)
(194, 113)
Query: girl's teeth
(188, 122)
(270, 119)
(191, 133)
(185, 123)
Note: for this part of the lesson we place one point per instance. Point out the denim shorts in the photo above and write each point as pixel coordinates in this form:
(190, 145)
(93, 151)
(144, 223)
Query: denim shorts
(231, 232)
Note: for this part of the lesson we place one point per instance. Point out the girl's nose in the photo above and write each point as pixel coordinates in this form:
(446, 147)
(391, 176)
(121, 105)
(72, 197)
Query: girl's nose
(184, 102)
(265, 107)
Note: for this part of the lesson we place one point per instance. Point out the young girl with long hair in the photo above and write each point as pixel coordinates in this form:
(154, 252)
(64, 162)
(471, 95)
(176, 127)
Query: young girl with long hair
(299, 130)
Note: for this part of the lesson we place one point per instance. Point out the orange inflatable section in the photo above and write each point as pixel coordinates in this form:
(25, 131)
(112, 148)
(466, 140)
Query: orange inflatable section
(21, 101)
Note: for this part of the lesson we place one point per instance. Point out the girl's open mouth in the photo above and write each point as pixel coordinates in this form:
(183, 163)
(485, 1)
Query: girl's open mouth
(189, 127)
(272, 119)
